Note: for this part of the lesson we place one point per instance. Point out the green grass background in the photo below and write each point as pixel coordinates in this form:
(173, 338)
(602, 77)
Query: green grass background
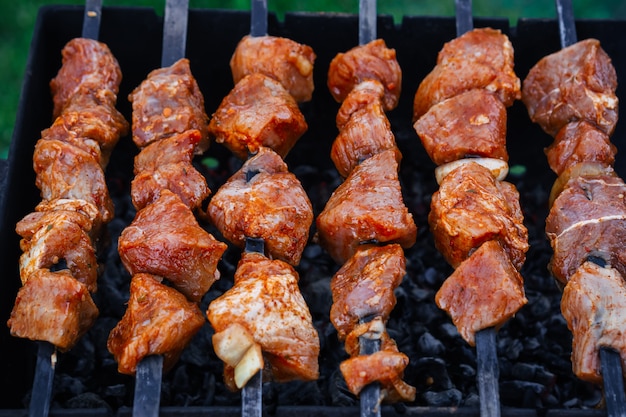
(17, 20)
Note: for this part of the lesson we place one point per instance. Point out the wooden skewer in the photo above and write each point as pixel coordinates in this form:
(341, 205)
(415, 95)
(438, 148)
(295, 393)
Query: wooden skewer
(150, 369)
(46, 352)
(611, 363)
(488, 371)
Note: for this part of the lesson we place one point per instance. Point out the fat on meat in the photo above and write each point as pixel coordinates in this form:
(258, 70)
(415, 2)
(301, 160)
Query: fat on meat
(257, 112)
(471, 208)
(53, 307)
(593, 303)
(367, 207)
(266, 301)
(479, 59)
(167, 164)
(372, 61)
(264, 200)
(484, 291)
(158, 321)
(167, 102)
(364, 286)
(364, 129)
(470, 124)
(588, 218)
(578, 142)
(165, 239)
(285, 60)
(575, 83)
(66, 171)
(86, 64)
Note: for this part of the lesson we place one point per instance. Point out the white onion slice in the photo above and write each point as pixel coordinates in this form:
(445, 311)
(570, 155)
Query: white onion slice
(499, 168)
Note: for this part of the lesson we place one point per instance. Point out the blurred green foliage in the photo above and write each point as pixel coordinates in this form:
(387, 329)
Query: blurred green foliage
(18, 18)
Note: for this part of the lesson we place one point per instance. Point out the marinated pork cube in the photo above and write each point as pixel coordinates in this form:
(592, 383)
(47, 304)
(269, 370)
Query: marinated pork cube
(65, 171)
(86, 64)
(91, 122)
(258, 112)
(167, 165)
(372, 61)
(580, 142)
(165, 239)
(593, 303)
(588, 218)
(52, 307)
(158, 321)
(575, 83)
(366, 130)
(366, 208)
(286, 61)
(479, 59)
(364, 286)
(471, 208)
(470, 124)
(266, 301)
(484, 291)
(167, 102)
(56, 237)
(264, 200)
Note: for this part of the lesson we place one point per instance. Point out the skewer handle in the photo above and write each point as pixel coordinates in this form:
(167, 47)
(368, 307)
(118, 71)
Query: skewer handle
(464, 20)
(613, 382)
(367, 21)
(567, 24)
(148, 387)
(91, 19)
(42, 382)
(488, 373)
(174, 31)
(258, 17)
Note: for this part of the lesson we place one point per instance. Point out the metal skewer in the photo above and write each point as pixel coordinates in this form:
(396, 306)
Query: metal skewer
(611, 363)
(43, 379)
(488, 370)
(147, 396)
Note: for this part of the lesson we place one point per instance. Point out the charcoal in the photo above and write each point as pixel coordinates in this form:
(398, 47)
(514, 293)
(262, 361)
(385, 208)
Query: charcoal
(87, 400)
(430, 346)
(447, 398)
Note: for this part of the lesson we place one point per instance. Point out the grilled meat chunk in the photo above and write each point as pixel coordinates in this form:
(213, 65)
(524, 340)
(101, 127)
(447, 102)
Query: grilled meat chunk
(588, 218)
(593, 303)
(167, 165)
(575, 83)
(367, 207)
(65, 171)
(86, 65)
(91, 122)
(372, 61)
(266, 301)
(52, 307)
(472, 123)
(158, 321)
(364, 286)
(258, 112)
(484, 291)
(165, 239)
(264, 200)
(470, 208)
(364, 129)
(479, 59)
(286, 61)
(167, 102)
(579, 142)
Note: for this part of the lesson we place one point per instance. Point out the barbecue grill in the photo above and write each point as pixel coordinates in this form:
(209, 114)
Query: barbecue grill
(533, 348)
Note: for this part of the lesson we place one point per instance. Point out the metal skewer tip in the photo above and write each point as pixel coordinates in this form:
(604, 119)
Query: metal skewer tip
(148, 387)
(567, 24)
(252, 397)
(43, 379)
(258, 17)
(488, 373)
(91, 19)
(174, 31)
(367, 21)
(464, 20)
(370, 395)
(613, 382)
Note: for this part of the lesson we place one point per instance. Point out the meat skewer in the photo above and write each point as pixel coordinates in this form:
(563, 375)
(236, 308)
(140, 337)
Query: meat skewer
(80, 127)
(164, 240)
(582, 155)
(263, 209)
(365, 224)
(463, 125)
